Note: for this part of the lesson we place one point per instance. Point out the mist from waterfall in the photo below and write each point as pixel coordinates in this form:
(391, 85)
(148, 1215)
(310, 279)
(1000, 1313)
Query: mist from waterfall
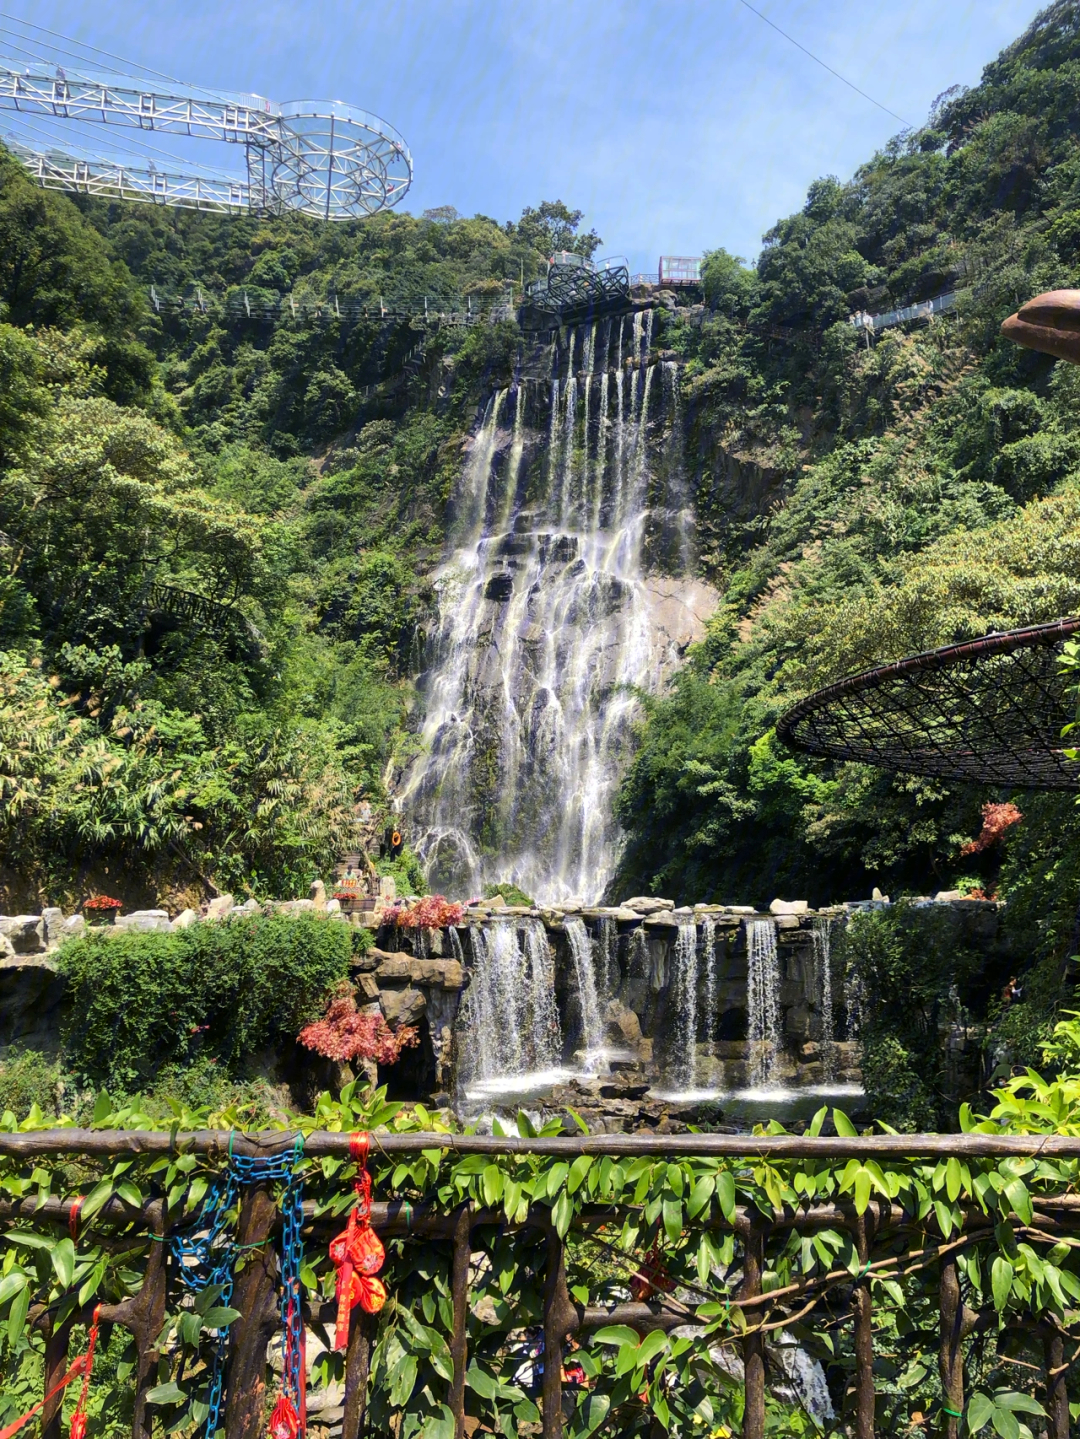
(763, 1000)
(549, 617)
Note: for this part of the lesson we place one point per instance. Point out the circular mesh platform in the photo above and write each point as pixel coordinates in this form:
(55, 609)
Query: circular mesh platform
(988, 711)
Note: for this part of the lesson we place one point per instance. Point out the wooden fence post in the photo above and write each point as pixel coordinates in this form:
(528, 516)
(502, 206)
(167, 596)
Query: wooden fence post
(255, 1296)
(950, 1356)
(357, 1370)
(862, 1302)
(1057, 1397)
(560, 1319)
(459, 1291)
(56, 1363)
(754, 1344)
(144, 1315)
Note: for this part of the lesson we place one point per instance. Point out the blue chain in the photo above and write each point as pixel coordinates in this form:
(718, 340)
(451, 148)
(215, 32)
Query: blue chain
(205, 1255)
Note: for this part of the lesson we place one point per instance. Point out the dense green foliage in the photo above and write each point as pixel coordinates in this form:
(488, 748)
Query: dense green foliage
(980, 1211)
(926, 1000)
(859, 500)
(206, 634)
(212, 993)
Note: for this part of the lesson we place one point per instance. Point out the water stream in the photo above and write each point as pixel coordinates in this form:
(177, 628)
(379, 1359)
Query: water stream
(509, 1015)
(592, 1029)
(567, 584)
(822, 935)
(763, 1001)
(684, 998)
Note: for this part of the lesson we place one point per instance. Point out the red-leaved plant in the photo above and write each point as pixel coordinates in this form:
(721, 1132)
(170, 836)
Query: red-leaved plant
(434, 911)
(996, 820)
(344, 1034)
(102, 903)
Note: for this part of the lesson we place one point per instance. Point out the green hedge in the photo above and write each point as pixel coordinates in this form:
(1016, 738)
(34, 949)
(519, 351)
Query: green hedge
(138, 1002)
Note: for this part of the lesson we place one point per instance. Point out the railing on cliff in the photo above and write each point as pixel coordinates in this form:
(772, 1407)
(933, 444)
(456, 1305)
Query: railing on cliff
(747, 1237)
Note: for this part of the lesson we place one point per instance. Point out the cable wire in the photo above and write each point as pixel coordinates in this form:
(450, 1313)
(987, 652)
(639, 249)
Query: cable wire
(824, 66)
(61, 139)
(128, 64)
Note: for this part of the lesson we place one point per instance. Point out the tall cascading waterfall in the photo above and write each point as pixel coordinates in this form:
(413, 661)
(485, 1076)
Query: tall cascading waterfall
(509, 1012)
(592, 1027)
(822, 937)
(763, 1000)
(567, 585)
(684, 1001)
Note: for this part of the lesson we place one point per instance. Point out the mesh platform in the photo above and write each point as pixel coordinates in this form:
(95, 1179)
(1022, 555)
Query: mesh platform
(988, 711)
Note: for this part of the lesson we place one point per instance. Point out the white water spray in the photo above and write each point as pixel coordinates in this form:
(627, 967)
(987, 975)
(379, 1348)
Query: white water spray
(548, 620)
(581, 953)
(763, 1000)
(509, 1013)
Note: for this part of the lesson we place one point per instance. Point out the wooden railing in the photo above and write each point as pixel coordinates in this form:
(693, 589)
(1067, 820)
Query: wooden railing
(892, 1243)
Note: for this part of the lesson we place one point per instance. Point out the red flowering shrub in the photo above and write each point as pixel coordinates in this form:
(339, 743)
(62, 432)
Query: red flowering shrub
(434, 911)
(343, 1033)
(102, 903)
(996, 820)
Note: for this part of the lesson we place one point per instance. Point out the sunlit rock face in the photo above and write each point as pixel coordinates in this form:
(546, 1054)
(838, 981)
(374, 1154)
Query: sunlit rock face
(566, 591)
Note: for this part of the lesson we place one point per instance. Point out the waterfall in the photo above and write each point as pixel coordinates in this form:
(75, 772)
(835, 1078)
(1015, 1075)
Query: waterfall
(763, 999)
(549, 619)
(708, 953)
(607, 944)
(854, 1003)
(684, 995)
(509, 1015)
(581, 953)
(822, 936)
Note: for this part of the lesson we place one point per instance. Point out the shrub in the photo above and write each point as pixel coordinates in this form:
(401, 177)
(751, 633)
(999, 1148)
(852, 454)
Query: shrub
(28, 1077)
(343, 1033)
(139, 1002)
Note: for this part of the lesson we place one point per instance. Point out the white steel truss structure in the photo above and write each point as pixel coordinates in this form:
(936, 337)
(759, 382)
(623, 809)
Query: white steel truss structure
(313, 157)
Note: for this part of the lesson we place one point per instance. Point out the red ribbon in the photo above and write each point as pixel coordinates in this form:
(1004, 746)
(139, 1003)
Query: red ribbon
(73, 1217)
(78, 1419)
(358, 1252)
(84, 1365)
(73, 1373)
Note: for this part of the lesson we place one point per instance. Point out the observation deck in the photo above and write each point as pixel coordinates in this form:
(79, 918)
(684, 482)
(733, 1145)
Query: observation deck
(575, 288)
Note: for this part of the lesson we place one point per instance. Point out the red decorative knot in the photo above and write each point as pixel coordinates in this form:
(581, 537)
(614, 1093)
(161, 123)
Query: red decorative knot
(284, 1421)
(358, 1253)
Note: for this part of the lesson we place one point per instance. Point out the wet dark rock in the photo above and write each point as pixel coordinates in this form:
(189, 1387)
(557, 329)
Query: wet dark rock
(499, 587)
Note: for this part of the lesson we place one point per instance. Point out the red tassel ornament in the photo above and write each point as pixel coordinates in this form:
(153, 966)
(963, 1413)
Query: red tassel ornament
(284, 1421)
(358, 1253)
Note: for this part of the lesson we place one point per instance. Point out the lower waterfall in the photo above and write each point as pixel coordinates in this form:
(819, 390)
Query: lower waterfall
(763, 1000)
(592, 1027)
(684, 997)
(509, 1011)
(822, 933)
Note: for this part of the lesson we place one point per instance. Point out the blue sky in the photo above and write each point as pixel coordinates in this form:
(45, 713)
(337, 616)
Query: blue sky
(676, 125)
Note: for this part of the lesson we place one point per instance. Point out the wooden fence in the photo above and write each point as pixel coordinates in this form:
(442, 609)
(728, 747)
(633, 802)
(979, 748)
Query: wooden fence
(891, 1243)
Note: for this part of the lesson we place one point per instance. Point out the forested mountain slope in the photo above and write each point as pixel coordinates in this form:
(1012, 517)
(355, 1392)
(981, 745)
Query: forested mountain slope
(925, 487)
(206, 633)
(216, 528)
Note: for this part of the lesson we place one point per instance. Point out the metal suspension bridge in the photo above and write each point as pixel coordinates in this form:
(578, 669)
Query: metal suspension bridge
(320, 158)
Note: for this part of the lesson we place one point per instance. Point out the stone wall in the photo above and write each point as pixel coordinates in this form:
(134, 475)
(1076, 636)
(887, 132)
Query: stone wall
(418, 977)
